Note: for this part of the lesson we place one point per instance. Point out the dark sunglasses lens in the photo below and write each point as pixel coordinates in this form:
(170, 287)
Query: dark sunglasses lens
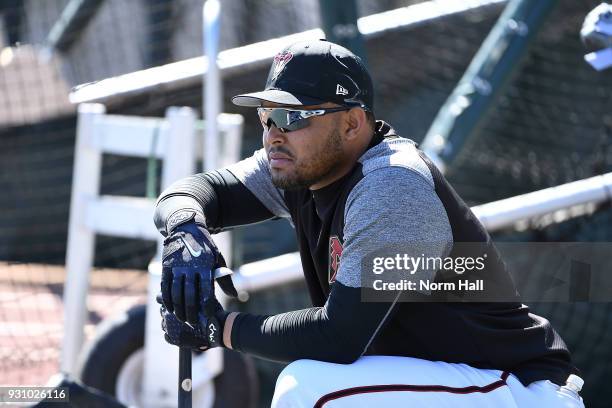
(287, 120)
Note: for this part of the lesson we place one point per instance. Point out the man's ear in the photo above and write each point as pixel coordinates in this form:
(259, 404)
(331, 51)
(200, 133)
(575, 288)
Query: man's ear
(355, 121)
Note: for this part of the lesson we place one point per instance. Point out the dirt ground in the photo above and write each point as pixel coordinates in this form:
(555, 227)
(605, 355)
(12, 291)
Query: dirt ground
(32, 315)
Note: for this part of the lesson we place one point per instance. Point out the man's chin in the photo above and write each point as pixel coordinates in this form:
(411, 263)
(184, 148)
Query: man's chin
(287, 183)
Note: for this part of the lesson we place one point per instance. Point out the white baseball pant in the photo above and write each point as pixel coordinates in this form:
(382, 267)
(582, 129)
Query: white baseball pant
(391, 381)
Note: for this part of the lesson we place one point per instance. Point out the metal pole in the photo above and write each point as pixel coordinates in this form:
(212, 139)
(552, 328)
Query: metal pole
(212, 98)
(504, 213)
(212, 102)
(212, 81)
(339, 18)
(74, 19)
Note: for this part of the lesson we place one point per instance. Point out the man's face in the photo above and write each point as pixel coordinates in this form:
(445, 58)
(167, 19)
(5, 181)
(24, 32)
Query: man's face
(308, 157)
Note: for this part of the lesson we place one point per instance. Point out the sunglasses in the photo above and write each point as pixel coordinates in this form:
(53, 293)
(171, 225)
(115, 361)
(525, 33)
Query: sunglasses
(288, 120)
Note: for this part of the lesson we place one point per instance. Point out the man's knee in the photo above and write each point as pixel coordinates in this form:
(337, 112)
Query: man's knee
(294, 385)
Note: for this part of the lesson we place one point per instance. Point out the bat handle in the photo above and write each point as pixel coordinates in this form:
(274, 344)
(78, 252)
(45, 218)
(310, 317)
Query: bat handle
(184, 383)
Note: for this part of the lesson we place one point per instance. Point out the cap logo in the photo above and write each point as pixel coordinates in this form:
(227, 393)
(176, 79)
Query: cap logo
(340, 90)
(280, 60)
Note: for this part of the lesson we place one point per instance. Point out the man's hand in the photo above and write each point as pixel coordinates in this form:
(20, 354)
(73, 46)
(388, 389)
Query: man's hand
(206, 333)
(189, 260)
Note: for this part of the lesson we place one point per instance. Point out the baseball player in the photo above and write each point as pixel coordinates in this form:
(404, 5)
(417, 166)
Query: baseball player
(351, 186)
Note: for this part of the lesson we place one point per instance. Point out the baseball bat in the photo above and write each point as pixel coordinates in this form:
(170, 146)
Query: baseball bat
(184, 384)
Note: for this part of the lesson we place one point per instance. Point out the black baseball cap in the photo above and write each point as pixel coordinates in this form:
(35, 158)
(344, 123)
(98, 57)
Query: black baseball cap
(312, 73)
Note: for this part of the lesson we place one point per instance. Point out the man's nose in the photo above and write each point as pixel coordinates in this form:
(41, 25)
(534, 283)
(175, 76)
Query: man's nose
(274, 136)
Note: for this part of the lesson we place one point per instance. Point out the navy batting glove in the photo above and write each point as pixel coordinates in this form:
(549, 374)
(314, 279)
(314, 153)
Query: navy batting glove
(206, 333)
(189, 260)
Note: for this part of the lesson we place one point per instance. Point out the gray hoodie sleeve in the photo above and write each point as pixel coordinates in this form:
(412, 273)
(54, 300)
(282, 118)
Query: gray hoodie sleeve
(380, 214)
(239, 194)
(254, 173)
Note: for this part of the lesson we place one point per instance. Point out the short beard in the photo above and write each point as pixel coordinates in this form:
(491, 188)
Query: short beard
(324, 162)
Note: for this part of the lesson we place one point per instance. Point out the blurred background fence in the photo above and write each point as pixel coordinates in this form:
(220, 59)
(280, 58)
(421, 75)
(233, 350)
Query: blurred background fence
(553, 124)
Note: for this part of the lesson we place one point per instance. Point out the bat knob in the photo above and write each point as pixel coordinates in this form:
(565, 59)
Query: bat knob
(186, 384)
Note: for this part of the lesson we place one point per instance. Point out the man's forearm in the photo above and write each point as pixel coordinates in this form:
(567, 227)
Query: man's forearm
(227, 329)
(219, 199)
(195, 193)
(330, 333)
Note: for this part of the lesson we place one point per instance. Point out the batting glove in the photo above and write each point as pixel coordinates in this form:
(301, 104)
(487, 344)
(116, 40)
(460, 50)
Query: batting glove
(189, 260)
(205, 334)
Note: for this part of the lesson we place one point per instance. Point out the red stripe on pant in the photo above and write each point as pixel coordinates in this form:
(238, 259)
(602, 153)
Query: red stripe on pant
(347, 392)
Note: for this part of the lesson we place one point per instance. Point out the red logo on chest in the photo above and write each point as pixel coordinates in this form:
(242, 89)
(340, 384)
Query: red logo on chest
(335, 252)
